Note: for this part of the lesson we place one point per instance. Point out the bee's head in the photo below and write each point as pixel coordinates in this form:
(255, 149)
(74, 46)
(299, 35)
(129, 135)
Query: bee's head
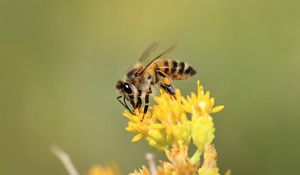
(124, 88)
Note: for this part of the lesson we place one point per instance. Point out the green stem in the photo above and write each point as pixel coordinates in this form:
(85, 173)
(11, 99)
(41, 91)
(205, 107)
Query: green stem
(196, 156)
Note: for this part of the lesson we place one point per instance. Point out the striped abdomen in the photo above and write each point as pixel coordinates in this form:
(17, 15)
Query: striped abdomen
(177, 70)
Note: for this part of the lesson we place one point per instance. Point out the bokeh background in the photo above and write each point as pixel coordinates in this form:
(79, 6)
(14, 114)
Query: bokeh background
(60, 61)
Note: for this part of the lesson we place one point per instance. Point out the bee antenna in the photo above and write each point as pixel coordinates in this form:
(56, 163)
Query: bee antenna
(124, 103)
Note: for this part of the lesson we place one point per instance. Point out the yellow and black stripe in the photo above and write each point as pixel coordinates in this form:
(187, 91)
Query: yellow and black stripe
(177, 70)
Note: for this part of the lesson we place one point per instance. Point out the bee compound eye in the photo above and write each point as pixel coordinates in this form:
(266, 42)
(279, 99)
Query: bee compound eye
(127, 88)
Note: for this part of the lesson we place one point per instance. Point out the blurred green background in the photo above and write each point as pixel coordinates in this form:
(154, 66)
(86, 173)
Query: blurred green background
(60, 61)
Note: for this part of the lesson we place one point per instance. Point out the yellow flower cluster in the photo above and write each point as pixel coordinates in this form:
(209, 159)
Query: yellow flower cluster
(176, 120)
(173, 125)
(179, 162)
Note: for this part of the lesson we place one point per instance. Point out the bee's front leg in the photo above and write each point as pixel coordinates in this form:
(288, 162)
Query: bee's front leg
(146, 103)
(131, 99)
(139, 100)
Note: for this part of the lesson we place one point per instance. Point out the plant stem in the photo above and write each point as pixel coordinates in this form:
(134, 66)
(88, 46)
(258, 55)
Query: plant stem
(151, 162)
(196, 156)
(65, 159)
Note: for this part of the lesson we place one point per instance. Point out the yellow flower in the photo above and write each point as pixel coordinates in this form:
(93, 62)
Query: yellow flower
(200, 106)
(201, 103)
(143, 171)
(104, 170)
(209, 166)
(202, 130)
(179, 164)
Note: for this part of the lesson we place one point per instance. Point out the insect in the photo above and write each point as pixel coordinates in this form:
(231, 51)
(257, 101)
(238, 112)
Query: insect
(140, 78)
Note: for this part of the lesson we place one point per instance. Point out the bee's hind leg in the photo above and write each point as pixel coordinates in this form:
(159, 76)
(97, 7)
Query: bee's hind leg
(169, 89)
(166, 83)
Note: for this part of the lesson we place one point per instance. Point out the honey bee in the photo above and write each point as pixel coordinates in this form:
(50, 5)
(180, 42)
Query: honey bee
(140, 78)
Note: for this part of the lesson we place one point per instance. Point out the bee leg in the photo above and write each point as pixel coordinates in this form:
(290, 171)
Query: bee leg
(166, 83)
(146, 103)
(131, 99)
(139, 100)
(169, 89)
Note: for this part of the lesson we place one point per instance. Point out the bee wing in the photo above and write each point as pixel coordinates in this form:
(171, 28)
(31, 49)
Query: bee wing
(150, 49)
(165, 53)
(161, 56)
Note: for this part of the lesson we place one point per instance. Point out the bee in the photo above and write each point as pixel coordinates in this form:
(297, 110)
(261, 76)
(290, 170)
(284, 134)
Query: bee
(140, 78)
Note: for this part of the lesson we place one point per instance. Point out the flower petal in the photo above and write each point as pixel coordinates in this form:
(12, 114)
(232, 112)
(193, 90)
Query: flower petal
(137, 138)
(217, 109)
